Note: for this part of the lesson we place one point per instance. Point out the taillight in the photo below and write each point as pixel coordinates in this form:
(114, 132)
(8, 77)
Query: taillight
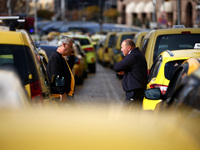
(88, 49)
(185, 32)
(36, 90)
(163, 88)
(148, 71)
(106, 50)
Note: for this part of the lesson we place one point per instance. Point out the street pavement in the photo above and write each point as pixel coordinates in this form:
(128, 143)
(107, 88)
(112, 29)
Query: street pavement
(100, 87)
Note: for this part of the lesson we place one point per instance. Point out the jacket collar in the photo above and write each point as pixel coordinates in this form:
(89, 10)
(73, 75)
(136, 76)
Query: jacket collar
(136, 48)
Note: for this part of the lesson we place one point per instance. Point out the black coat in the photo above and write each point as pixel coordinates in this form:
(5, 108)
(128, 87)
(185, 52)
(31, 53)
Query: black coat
(57, 66)
(135, 67)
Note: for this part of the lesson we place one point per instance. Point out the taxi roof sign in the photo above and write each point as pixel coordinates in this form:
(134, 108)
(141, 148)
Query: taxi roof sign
(178, 26)
(197, 46)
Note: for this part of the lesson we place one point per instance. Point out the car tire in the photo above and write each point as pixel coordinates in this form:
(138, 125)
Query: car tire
(85, 74)
(92, 68)
(80, 81)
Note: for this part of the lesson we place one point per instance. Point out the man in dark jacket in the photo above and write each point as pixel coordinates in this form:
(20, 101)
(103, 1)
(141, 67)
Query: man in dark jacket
(58, 65)
(134, 70)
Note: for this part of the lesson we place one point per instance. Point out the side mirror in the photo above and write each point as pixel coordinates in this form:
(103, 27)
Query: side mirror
(58, 80)
(153, 94)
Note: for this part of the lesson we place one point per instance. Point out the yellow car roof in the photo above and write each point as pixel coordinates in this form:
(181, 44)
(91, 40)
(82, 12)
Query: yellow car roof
(174, 31)
(181, 53)
(141, 33)
(193, 64)
(13, 38)
(126, 33)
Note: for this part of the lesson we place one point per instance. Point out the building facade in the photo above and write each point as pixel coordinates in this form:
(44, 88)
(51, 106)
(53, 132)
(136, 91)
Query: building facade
(13, 7)
(164, 12)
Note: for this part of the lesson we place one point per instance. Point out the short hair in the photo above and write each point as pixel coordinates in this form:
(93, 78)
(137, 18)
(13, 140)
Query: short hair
(129, 42)
(66, 40)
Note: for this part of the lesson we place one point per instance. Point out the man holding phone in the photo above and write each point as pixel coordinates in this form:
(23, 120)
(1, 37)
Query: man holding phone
(58, 65)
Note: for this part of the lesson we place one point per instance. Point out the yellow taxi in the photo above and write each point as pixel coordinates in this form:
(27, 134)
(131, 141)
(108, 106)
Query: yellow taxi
(19, 52)
(185, 69)
(52, 35)
(43, 56)
(96, 38)
(99, 50)
(157, 41)
(182, 94)
(191, 65)
(119, 38)
(138, 38)
(87, 46)
(107, 52)
(162, 70)
(79, 69)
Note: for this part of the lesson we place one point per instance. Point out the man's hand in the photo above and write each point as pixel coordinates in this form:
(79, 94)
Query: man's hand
(121, 73)
(63, 97)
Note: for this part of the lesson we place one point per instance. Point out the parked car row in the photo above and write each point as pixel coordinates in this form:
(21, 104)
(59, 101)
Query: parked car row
(108, 50)
(171, 54)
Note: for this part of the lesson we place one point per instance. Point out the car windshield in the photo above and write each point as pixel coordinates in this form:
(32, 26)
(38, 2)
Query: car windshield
(170, 68)
(17, 57)
(48, 49)
(111, 40)
(175, 42)
(83, 41)
(131, 36)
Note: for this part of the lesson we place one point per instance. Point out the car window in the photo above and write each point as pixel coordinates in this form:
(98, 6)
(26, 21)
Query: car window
(124, 37)
(155, 68)
(144, 46)
(80, 50)
(175, 82)
(48, 49)
(111, 40)
(135, 40)
(83, 41)
(170, 68)
(115, 42)
(175, 42)
(19, 58)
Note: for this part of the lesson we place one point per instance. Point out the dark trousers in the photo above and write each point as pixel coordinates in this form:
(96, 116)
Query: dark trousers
(134, 97)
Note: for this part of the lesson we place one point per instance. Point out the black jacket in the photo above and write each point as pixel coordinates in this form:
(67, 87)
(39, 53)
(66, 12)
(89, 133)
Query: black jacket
(57, 66)
(135, 67)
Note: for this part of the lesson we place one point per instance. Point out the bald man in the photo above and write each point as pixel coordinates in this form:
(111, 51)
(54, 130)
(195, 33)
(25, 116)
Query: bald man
(134, 70)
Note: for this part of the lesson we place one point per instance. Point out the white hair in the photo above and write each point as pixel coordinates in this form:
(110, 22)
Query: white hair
(65, 39)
